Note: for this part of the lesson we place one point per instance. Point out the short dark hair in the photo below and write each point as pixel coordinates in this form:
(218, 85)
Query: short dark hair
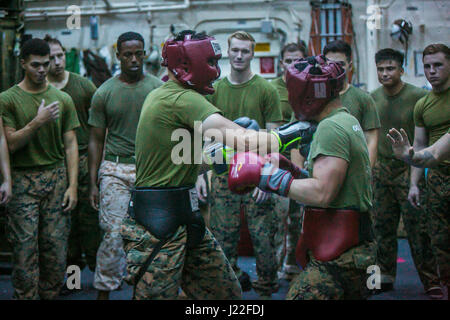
(129, 36)
(339, 46)
(34, 46)
(293, 47)
(194, 35)
(50, 40)
(390, 54)
(435, 48)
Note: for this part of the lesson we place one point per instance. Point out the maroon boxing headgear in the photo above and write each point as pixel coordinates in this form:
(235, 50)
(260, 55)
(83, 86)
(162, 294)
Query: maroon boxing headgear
(190, 59)
(312, 83)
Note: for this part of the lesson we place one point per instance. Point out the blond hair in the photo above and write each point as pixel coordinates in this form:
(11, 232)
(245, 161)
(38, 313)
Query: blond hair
(242, 35)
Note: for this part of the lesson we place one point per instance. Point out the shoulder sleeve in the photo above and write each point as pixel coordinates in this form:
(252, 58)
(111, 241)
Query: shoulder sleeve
(154, 82)
(373, 95)
(90, 87)
(97, 112)
(272, 107)
(212, 97)
(370, 119)
(194, 107)
(70, 117)
(418, 113)
(157, 82)
(7, 112)
(332, 140)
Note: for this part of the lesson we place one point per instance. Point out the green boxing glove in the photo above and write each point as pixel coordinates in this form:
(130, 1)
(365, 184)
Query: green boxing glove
(219, 156)
(292, 134)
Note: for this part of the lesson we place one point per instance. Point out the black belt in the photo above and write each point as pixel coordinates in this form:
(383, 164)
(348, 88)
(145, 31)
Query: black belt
(162, 212)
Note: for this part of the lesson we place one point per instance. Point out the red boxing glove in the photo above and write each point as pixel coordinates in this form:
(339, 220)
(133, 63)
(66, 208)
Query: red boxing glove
(245, 172)
(284, 163)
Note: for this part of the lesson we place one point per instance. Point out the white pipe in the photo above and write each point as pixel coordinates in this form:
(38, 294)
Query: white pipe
(127, 5)
(236, 19)
(372, 47)
(230, 2)
(112, 6)
(44, 14)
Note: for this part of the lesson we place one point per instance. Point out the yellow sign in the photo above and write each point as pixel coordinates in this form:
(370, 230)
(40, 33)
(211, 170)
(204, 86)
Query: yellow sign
(262, 47)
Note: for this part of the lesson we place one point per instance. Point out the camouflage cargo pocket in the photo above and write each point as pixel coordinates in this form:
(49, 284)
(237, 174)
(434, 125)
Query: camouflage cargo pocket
(133, 244)
(364, 256)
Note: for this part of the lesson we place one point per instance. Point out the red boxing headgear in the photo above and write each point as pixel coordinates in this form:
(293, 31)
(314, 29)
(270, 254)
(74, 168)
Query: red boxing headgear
(188, 60)
(311, 84)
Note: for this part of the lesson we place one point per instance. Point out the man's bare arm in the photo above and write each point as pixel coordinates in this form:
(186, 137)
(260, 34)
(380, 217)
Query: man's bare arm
(420, 142)
(439, 151)
(95, 153)
(426, 158)
(71, 150)
(372, 145)
(324, 186)
(234, 136)
(5, 168)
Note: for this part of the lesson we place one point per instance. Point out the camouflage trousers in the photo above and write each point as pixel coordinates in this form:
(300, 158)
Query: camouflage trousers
(391, 186)
(85, 235)
(280, 216)
(225, 224)
(344, 278)
(438, 198)
(116, 181)
(37, 230)
(202, 272)
(289, 223)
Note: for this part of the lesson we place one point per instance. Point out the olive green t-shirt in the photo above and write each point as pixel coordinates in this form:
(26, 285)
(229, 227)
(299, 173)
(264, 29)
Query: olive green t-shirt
(396, 112)
(361, 105)
(340, 135)
(167, 149)
(117, 107)
(286, 108)
(81, 91)
(46, 147)
(433, 113)
(256, 99)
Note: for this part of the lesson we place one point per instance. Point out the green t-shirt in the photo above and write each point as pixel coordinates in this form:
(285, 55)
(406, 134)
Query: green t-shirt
(433, 113)
(117, 107)
(81, 91)
(169, 113)
(286, 108)
(361, 105)
(256, 99)
(46, 147)
(396, 112)
(340, 135)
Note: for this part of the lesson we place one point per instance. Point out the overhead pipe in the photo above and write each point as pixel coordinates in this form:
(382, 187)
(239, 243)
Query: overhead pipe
(107, 5)
(119, 8)
(39, 13)
(237, 19)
